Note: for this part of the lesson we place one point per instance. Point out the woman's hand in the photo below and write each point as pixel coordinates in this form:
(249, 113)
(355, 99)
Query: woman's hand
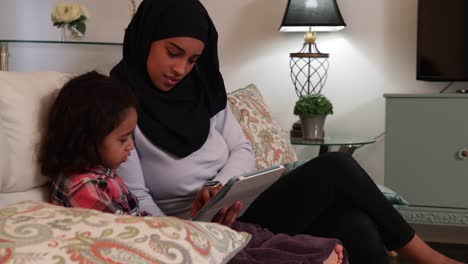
(225, 216)
(203, 196)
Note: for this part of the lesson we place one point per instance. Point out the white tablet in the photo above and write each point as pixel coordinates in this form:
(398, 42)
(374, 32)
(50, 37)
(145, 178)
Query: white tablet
(243, 188)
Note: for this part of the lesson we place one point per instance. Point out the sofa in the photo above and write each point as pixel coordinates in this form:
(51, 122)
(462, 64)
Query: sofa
(34, 231)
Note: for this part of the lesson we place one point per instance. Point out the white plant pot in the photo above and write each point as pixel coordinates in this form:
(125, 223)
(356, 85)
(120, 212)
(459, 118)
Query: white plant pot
(312, 126)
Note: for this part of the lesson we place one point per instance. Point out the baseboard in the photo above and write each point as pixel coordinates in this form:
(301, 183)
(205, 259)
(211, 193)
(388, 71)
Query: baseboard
(442, 234)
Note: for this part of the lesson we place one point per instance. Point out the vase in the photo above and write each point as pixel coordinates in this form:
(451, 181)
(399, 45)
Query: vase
(71, 34)
(75, 33)
(64, 34)
(312, 126)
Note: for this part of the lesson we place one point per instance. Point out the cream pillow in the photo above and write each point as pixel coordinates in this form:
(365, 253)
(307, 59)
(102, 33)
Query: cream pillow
(24, 100)
(43, 233)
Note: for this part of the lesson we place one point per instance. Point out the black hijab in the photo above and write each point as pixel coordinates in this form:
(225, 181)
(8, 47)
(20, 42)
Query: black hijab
(177, 121)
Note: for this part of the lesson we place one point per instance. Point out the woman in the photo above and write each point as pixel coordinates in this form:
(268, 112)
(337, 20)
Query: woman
(187, 135)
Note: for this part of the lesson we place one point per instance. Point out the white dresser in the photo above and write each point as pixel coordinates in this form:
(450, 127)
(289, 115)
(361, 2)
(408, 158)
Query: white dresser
(426, 156)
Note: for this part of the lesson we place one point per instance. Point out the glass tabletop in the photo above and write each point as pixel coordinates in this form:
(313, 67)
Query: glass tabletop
(60, 42)
(332, 141)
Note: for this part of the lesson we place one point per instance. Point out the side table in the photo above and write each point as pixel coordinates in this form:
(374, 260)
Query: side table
(345, 144)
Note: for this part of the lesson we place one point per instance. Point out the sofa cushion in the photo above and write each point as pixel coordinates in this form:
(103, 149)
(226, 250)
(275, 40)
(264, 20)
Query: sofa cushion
(43, 233)
(24, 100)
(392, 196)
(269, 142)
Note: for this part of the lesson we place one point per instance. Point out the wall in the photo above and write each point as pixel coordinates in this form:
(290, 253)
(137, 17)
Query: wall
(373, 55)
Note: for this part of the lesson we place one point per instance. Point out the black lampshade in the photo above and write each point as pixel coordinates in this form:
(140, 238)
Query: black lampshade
(312, 15)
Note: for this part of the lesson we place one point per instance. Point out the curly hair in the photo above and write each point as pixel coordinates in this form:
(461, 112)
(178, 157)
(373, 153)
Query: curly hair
(85, 111)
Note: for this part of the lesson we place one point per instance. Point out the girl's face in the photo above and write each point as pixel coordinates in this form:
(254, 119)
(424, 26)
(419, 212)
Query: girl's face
(116, 146)
(171, 59)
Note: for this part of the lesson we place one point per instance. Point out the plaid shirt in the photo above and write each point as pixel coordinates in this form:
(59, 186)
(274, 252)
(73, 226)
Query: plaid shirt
(97, 188)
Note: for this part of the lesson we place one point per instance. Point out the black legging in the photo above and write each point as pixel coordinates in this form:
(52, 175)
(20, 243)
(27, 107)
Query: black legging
(332, 196)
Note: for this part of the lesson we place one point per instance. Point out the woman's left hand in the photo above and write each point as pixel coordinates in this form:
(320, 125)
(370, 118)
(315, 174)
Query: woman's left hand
(227, 216)
(203, 196)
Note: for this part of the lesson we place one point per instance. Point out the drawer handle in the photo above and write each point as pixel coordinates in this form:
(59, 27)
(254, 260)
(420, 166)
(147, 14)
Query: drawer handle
(463, 154)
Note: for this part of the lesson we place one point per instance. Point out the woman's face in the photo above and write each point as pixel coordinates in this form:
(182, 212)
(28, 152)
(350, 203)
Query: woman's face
(171, 59)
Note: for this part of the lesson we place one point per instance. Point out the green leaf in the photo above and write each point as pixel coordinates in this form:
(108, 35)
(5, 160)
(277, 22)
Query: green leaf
(81, 27)
(77, 21)
(58, 24)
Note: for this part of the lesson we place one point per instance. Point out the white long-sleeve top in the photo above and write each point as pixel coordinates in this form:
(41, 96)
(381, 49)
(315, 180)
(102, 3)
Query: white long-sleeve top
(166, 184)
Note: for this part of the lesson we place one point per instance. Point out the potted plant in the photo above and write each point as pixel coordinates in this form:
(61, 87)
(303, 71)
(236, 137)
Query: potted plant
(312, 109)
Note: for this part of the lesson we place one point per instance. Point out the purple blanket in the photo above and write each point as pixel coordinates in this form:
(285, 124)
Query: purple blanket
(266, 247)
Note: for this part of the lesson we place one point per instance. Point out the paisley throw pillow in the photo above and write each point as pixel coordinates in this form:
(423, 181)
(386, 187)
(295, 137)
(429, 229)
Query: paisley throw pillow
(269, 142)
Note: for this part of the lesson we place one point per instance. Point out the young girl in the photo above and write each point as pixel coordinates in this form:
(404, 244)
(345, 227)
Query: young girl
(87, 137)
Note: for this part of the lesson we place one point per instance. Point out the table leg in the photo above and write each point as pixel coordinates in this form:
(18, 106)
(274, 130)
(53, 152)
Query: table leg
(324, 149)
(3, 56)
(349, 148)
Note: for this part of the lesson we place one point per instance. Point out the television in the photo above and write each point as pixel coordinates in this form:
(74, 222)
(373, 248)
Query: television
(442, 40)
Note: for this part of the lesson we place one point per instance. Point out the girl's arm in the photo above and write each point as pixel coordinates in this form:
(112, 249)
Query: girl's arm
(241, 157)
(132, 174)
(94, 193)
(86, 193)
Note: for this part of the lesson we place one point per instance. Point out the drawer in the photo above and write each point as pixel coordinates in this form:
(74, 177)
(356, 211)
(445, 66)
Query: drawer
(423, 137)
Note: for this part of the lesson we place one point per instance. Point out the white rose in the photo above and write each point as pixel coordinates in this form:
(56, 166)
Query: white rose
(66, 13)
(84, 11)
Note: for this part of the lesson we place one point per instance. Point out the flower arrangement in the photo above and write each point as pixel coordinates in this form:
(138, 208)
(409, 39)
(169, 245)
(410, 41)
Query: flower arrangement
(72, 16)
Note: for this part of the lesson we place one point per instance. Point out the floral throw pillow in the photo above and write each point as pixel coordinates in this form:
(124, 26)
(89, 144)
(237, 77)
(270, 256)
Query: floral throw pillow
(34, 232)
(269, 142)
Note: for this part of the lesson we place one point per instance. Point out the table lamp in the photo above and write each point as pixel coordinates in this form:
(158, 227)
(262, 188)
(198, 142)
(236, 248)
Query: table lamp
(309, 66)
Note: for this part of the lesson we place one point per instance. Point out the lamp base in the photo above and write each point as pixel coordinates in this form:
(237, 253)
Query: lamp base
(296, 130)
(309, 69)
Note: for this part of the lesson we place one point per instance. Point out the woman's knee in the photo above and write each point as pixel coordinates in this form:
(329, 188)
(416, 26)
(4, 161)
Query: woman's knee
(344, 168)
(337, 158)
(331, 161)
(334, 164)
